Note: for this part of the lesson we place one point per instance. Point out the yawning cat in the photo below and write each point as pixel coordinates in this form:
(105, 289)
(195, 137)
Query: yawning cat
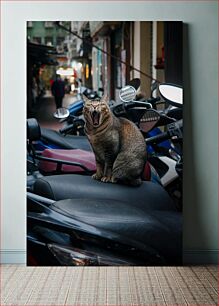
(118, 145)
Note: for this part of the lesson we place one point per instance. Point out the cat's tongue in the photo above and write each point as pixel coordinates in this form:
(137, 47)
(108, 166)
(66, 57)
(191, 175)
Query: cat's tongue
(95, 117)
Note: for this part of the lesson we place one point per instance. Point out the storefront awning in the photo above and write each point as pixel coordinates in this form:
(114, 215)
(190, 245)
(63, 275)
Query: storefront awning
(42, 54)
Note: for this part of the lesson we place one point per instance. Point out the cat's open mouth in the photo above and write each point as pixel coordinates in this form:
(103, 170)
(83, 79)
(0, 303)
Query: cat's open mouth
(95, 117)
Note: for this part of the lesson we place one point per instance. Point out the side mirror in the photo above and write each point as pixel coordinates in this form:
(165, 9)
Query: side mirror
(127, 93)
(149, 120)
(173, 94)
(61, 113)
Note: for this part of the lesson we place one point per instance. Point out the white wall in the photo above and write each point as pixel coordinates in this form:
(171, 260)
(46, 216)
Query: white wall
(200, 74)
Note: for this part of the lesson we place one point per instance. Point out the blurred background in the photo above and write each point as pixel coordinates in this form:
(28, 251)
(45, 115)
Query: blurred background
(100, 55)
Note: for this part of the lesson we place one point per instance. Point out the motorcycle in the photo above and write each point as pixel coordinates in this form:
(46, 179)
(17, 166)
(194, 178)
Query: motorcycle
(79, 159)
(73, 114)
(74, 220)
(57, 161)
(166, 165)
(164, 149)
(50, 139)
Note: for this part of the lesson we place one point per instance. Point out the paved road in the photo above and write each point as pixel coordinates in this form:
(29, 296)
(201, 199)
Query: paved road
(46, 107)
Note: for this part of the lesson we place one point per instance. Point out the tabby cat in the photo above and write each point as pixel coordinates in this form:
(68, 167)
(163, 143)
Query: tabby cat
(118, 145)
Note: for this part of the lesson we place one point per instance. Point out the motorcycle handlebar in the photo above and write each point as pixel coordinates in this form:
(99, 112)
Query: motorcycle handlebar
(137, 103)
(153, 100)
(147, 103)
(174, 129)
(66, 129)
(157, 138)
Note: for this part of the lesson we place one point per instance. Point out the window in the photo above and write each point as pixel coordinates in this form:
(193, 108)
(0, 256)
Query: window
(49, 41)
(37, 40)
(48, 24)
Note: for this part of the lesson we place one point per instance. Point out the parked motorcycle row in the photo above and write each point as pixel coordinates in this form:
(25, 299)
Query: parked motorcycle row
(75, 220)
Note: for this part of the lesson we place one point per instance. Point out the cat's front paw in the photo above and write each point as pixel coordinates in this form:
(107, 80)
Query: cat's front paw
(113, 180)
(106, 179)
(96, 176)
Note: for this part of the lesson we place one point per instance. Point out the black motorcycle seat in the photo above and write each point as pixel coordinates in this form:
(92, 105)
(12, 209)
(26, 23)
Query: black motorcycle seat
(33, 129)
(160, 230)
(70, 186)
(65, 142)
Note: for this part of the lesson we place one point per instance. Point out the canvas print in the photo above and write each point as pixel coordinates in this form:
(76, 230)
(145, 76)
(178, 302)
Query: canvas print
(104, 143)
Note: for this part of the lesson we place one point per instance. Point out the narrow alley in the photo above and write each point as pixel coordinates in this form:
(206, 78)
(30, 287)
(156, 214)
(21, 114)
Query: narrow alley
(45, 107)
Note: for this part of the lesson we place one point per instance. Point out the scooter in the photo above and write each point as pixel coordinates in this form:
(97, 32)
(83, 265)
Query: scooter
(58, 161)
(84, 162)
(50, 139)
(74, 220)
(77, 156)
(76, 125)
(164, 148)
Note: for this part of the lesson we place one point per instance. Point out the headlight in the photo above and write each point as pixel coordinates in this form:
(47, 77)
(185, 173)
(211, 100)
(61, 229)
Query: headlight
(67, 256)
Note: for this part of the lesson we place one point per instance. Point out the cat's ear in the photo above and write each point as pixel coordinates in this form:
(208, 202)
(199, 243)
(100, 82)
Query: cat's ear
(105, 98)
(86, 100)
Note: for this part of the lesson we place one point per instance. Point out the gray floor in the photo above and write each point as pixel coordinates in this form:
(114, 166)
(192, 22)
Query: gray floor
(109, 285)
